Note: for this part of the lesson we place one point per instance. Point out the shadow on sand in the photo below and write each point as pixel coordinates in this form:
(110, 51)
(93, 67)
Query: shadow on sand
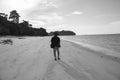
(72, 71)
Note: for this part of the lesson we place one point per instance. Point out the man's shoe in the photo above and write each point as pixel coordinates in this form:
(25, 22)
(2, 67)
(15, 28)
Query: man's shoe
(55, 59)
(58, 58)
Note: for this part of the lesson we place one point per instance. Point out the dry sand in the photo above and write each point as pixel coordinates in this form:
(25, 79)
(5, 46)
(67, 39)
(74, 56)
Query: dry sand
(32, 58)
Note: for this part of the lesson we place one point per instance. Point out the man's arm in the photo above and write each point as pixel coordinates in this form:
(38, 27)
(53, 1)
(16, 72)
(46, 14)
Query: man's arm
(58, 39)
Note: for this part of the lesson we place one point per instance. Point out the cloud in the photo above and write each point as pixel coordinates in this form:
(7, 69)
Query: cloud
(49, 3)
(115, 23)
(37, 22)
(77, 12)
(50, 18)
(107, 16)
(56, 16)
(42, 8)
(46, 4)
(43, 12)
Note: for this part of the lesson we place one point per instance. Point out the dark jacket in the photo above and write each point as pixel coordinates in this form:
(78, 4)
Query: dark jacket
(55, 42)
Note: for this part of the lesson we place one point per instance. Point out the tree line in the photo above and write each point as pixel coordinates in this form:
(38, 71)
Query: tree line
(10, 25)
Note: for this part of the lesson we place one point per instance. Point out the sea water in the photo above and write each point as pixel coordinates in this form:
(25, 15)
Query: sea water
(108, 41)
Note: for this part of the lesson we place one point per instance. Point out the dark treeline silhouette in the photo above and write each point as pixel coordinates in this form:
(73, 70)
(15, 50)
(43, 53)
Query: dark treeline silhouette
(11, 26)
(63, 32)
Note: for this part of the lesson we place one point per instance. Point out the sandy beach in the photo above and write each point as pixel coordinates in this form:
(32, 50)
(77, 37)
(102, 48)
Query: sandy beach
(31, 58)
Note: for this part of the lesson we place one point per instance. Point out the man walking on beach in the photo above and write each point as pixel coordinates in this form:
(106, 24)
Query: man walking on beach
(55, 44)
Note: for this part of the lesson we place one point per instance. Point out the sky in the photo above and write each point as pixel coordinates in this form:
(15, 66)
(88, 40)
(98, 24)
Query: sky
(80, 16)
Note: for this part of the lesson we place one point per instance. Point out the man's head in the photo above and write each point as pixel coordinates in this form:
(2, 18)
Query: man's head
(55, 33)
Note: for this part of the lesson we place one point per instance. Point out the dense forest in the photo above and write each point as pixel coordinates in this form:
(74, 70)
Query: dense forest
(10, 25)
